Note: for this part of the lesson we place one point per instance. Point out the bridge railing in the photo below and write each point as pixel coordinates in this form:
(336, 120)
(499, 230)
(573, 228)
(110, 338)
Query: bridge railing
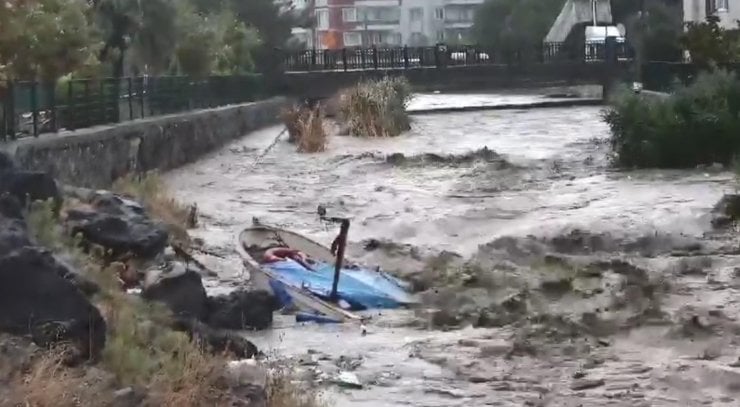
(377, 58)
(28, 108)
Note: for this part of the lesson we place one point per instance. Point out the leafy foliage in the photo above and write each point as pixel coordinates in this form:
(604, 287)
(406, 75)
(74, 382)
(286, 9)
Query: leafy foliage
(698, 124)
(515, 25)
(656, 31)
(710, 44)
(44, 39)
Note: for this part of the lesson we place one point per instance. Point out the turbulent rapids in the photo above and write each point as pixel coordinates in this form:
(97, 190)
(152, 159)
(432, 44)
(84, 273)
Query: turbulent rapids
(546, 277)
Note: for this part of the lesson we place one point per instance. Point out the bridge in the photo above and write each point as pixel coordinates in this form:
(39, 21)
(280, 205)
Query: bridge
(319, 74)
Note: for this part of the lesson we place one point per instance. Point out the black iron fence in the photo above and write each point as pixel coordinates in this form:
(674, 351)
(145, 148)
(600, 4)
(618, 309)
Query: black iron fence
(376, 58)
(30, 108)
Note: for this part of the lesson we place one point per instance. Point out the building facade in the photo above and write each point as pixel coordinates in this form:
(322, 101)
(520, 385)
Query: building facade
(728, 11)
(364, 23)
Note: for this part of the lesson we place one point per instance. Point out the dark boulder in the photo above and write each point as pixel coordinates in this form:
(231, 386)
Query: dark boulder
(726, 211)
(13, 230)
(217, 341)
(29, 186)
(242, 310)
(120, 225)
(6, 162)
(35, 300)
(178, 287)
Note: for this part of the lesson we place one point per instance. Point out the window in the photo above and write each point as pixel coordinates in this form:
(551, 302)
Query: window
(713, 6)
(352, 39)
(440, 35)
(349, 15)
(439, 13)
(322, 19)
(416, 14)
(321, 3)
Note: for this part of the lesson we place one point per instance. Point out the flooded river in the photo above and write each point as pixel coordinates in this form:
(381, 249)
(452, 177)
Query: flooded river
(522, 198)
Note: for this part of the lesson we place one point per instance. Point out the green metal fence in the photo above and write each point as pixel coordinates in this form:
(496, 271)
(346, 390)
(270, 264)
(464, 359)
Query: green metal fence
(31, 108)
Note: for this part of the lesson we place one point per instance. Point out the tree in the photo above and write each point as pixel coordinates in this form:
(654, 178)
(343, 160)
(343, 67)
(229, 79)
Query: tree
(710, 44)
(655, 32)
(146, 25)
(44, 39)
(515, 26)
(274, 22)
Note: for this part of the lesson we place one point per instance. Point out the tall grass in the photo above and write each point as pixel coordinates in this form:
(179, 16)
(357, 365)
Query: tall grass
(306, 128)
(697, 124)
(377, 108)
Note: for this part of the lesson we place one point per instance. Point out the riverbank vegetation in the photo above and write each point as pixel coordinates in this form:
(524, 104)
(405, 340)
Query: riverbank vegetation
(49, 39)
(377, 108)
(306, 128)
(698, 124)
(144, 361)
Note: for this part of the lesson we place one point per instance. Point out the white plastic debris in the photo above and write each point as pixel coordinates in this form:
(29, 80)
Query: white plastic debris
(348, 380)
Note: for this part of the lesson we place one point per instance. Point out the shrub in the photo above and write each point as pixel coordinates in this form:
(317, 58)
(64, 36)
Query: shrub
(377, 108)
(306, 128)
(698, 124)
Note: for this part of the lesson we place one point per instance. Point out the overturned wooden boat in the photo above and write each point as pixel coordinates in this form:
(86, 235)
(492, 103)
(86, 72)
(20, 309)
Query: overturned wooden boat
(322, 292)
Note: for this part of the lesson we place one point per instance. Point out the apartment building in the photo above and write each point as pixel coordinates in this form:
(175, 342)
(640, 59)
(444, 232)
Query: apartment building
(364, 23)
(427, 22)
(728, 11)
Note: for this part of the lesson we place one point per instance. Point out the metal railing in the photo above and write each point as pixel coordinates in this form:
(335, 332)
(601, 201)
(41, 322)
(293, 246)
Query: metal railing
(376, 58)
(29, 108)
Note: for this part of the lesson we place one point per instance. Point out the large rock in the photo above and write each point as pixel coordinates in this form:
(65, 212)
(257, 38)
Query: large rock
(178, 287)
(120, 225)
(29, 186)
(35, 300)
(726, 211)
(13, 230)
(217, 341)
(242, 310)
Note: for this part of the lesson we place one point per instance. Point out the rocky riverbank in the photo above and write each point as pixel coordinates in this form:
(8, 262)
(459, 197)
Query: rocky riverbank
(101, 305)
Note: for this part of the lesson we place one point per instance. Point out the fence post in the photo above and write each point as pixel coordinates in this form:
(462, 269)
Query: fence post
(87, 101)
(10, 112)
(344, 58)
(53, 104)
(70, 113)
(405, 57)
(312, 64)
(35, 107)
(375, 57)
(130, 85)
(141, 97)
(362, 57)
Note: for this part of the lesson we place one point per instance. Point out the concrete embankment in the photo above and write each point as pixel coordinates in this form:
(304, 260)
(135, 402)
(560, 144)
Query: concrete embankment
(95, 157)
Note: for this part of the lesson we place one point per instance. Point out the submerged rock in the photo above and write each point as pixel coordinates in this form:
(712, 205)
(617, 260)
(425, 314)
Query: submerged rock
(726, 211)
(180, 288)
(217, 341)
(36, 300)
(119, 225)
(242, 310)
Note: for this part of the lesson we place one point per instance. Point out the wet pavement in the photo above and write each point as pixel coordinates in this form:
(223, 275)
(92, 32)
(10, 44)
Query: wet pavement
(495, 187)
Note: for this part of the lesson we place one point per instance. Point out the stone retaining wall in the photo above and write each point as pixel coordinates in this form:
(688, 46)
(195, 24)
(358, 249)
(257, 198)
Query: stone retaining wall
(95, 157)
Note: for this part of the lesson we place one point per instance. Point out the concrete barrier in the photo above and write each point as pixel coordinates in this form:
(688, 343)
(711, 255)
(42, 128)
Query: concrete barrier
(97, 156)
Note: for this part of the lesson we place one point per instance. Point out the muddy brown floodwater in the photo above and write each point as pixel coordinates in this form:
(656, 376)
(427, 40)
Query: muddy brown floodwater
(548, 278)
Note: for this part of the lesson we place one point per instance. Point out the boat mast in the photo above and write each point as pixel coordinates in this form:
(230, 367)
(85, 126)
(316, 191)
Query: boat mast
(341, 244)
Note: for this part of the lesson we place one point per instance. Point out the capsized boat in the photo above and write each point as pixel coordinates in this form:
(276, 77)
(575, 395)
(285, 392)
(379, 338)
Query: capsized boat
(307, 288)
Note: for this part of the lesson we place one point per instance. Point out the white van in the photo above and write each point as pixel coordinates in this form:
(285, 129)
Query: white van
(596, 40)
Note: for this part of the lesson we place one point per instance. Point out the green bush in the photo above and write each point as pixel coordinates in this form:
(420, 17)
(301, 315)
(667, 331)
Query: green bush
(377, 108)
(698, 124)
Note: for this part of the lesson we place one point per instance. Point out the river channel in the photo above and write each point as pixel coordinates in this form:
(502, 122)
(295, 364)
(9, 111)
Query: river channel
(503, 189)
